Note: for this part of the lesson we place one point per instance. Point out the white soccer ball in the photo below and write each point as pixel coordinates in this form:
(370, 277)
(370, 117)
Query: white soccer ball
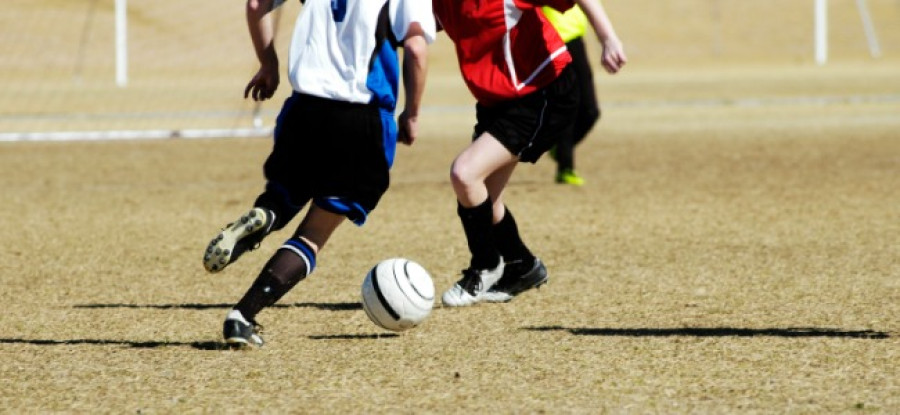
(397, 294)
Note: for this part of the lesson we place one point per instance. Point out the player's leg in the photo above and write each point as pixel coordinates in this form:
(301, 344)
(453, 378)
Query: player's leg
(271, 212)
(290, 264)
(357, 176)
(470, 171)
(521, 269)
(587, 114)
(275, 207)
(588, 106)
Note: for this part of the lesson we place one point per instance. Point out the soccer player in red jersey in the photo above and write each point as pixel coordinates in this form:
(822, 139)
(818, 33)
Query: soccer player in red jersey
(517, 67)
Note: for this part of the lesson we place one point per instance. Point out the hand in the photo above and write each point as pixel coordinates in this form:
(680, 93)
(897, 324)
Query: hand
(263, 85)
(408, 128)
(613, 58)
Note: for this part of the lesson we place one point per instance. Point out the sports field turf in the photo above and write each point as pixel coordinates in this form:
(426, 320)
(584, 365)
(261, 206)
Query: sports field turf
(735, 250)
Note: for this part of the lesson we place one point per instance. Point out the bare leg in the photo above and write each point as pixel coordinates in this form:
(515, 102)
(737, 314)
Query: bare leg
(317, 227)
(471, 170)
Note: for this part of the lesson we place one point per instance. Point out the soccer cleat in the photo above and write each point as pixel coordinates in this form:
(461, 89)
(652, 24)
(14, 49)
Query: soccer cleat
(568, 176)
(242, 235)
(239, 332)
(473, 284)
(517, 278)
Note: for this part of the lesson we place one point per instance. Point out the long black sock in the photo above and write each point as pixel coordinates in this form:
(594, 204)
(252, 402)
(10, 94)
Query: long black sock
(509, 242)
(476, 222)
(287, 267)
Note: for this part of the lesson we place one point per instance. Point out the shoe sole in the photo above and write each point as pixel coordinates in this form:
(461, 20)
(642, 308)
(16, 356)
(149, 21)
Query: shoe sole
(218, 252)
(241, 343)
(534, 286)
(501, 297)
(461, 303)
(505, 297)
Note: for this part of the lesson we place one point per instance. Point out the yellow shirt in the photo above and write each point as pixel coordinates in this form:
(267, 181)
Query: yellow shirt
(570, 25)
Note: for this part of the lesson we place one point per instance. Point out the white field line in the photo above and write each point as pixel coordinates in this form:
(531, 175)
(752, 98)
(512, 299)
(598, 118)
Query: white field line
(161, 134)
(114, 135)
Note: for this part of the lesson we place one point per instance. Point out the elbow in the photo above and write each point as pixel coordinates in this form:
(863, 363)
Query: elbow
(416, 49)
(415, 45)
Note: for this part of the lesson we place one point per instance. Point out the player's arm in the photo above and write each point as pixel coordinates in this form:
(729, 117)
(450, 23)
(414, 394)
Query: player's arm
(613, 53)
(415, 70)
(262, 33)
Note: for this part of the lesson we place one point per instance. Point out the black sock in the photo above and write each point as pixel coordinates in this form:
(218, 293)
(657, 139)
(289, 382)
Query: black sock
(508, 241)
(476, 222)
(287, 267)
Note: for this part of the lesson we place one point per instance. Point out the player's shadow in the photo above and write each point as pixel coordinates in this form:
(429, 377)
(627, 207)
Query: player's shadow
(353, 336)
(207, 345)
(199, 345)
(343, 306)
(716, 332)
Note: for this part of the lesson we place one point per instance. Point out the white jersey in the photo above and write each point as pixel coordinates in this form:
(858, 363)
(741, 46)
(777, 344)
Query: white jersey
(336, 54)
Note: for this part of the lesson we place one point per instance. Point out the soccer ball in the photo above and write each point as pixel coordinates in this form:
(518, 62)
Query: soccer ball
(397, 294)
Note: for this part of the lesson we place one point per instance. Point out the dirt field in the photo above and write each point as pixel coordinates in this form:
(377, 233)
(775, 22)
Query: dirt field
(735, 250)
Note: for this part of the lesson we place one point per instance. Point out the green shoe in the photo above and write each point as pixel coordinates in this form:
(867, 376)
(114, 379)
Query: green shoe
(569, 176)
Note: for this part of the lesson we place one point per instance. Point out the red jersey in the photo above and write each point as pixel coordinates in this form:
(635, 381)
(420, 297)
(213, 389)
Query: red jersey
(506, 48)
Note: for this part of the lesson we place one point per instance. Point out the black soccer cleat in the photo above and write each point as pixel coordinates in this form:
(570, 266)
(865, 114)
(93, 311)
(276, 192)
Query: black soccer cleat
(517, 278)
(240, 333)
(238, 237)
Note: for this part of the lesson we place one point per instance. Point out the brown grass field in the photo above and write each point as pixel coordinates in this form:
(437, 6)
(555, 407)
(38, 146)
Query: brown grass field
(735, 250)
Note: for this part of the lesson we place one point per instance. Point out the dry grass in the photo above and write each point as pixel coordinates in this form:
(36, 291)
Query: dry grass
(734, 250)
(721, 258)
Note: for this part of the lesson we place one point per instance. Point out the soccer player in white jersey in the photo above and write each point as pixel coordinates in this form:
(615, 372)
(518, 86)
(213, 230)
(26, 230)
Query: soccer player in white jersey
(334, 138)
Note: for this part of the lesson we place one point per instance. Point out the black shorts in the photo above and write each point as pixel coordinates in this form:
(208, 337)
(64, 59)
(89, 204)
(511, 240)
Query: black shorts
(531, 125)
(330, 152)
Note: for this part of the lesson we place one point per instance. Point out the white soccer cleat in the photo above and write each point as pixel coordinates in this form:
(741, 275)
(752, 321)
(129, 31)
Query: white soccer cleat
(470, 289)
(238, 237)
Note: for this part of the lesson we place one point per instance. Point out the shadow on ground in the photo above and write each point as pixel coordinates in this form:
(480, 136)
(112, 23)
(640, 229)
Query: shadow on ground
(200, 345)
(346, 306)
(716, 332)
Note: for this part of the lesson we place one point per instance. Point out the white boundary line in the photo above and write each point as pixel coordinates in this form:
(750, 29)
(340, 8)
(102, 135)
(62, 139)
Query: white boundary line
(135, 134)
(162, 134)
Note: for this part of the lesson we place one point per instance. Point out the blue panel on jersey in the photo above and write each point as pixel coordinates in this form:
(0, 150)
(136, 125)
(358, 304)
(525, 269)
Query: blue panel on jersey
(389, 136)
(338, 9)
(382, 81)
(384, 76)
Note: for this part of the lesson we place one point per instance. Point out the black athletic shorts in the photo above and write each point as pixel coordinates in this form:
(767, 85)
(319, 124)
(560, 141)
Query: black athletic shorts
(531, 125)
(331, 152)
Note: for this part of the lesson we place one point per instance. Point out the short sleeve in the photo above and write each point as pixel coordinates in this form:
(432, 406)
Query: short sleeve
(406, 12)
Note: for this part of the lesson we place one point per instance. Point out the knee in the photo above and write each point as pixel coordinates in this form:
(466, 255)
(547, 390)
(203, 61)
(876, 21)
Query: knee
(462, 175)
